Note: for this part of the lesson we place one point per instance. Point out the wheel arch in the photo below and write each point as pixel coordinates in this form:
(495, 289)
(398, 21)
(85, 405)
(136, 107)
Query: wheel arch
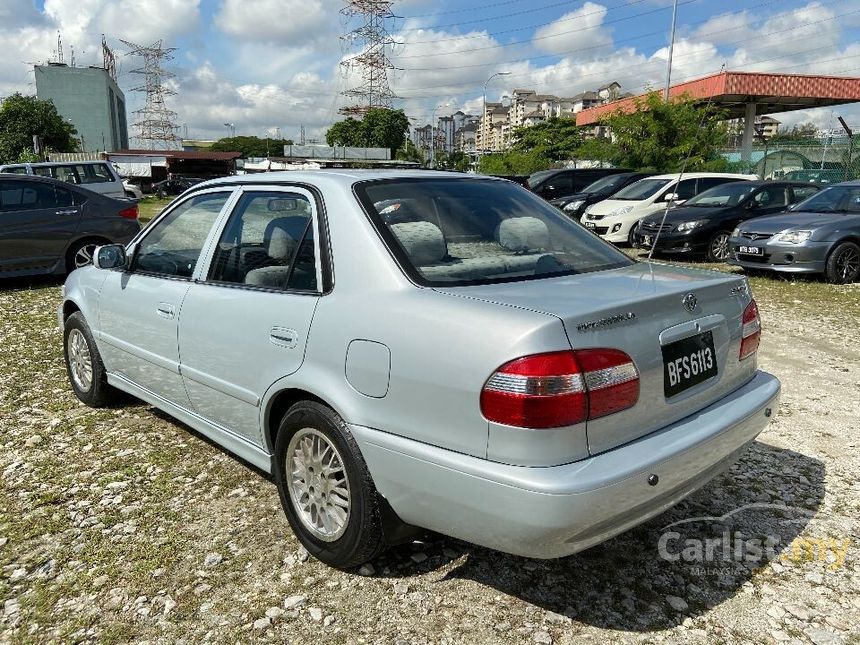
(82, 239)
(276, 407)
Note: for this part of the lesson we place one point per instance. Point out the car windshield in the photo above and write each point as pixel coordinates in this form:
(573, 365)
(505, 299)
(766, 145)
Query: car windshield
(605, 184)
(453, 232)
(642, 189)
(835, 199)
(723, 195)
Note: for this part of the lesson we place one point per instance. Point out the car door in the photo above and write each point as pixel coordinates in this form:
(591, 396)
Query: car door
(139, 307)
(35, 226)
(246, 323)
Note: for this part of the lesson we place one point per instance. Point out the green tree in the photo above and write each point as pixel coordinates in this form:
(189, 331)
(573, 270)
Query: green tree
(556, 138)
(410, 152)
(457, 160)
(800, 132)
(379, 128)
(513, 163)
(22, 117)
(252, 146)
(659, 136)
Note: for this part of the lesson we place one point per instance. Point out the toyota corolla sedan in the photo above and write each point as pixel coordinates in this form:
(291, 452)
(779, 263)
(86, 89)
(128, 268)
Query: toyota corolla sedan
(409, 350)
(819, 235)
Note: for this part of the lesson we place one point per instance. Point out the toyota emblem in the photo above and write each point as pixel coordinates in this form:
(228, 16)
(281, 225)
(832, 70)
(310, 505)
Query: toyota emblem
(690, 302)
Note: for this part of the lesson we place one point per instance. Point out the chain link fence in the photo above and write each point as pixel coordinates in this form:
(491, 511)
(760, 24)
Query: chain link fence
(826, 160)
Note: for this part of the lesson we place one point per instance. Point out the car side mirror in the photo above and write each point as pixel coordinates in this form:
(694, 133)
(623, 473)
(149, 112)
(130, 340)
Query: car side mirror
(670, 197)
(110, 256)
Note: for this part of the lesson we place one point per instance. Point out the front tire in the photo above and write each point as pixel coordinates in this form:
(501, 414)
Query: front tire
(718, 247)
(84, 366)
(326, 490)
(843, 264)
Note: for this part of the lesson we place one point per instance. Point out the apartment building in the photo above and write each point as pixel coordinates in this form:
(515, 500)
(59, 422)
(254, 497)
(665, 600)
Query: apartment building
(528, 108)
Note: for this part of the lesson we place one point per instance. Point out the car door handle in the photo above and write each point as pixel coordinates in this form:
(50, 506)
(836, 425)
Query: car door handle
(283, 337)
(71, 211)
(165, 310)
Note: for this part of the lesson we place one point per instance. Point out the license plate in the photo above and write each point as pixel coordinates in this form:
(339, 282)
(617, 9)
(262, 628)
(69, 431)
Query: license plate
(750, 250)
(590, 225)
(688, 362)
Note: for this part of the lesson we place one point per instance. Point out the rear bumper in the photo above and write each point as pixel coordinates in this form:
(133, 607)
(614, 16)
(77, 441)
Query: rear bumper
(556, 511)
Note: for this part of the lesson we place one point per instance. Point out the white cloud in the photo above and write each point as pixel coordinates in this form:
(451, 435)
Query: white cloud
(285, 22)
(580, 29)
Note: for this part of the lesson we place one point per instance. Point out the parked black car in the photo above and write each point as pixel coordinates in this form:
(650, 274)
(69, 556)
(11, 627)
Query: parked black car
(174, 186)
(48, 226)
(575, 205)
(704, 223)
(552, 184)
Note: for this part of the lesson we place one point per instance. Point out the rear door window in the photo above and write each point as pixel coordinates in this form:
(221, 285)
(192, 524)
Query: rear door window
(802, 192)
(67, 174)
(268, 242)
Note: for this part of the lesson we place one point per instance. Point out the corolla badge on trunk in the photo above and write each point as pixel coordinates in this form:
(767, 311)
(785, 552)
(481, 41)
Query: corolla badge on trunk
(690, 302)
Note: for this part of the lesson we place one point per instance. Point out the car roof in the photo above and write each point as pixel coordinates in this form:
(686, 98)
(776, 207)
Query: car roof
(49, 164)
(697, 175)
(343, 176)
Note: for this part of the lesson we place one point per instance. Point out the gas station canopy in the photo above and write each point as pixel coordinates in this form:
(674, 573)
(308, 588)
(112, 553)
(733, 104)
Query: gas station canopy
(736, 91)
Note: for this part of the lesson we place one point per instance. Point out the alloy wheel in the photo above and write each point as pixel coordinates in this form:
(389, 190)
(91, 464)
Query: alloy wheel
(84, 256)
(720, 246)
(318, 484)
(80, 362)
(848, 264)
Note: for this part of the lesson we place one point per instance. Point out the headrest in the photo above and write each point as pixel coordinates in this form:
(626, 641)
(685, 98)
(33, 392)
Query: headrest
(422, 241)
(521, 234)
(282, 236)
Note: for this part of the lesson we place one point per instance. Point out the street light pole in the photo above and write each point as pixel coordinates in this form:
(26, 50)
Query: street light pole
(484, 113)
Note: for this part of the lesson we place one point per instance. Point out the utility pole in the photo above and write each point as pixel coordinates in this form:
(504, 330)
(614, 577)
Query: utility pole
(671, 47)
(850, 134)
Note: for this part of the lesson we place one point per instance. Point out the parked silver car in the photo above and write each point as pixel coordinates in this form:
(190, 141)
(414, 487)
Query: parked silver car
(414, 349)
(819, 235)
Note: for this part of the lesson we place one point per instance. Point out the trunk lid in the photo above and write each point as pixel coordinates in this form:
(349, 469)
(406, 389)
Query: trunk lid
(639, 309)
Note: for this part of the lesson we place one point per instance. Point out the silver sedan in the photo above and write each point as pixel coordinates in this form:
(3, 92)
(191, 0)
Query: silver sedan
(412, 350)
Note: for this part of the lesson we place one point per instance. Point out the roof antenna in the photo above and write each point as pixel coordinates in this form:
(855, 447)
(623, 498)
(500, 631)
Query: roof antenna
(60, 58)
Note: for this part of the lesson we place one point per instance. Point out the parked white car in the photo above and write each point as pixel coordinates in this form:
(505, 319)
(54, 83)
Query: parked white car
(98, 176)
(615, 219)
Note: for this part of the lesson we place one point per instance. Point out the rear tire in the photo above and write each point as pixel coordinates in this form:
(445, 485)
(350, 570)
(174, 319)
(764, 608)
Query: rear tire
(84, 366)
(81, 254)
(718, 247)
(843, 264)
(326, 490)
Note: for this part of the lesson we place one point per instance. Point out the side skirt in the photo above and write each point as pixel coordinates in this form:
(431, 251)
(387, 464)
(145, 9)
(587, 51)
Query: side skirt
(232, 442)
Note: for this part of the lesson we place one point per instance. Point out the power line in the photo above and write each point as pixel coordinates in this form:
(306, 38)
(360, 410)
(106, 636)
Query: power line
(638, 65)
(556, 35)
(510, 31)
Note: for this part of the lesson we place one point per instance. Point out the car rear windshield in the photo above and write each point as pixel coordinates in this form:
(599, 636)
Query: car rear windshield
(642, 189)
(454, 232)
(605, 184)
(835, 199)
(729, 194)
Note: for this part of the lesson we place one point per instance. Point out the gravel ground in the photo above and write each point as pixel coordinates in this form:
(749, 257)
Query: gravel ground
(124, 525)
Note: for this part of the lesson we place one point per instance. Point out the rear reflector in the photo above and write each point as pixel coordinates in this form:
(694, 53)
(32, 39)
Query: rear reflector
(560, 388)
(751, 330)
(129, 213)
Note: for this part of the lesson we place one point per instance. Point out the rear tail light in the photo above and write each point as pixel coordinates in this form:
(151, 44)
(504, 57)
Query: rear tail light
(129, 213)
(751, 330)
(560, 388)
